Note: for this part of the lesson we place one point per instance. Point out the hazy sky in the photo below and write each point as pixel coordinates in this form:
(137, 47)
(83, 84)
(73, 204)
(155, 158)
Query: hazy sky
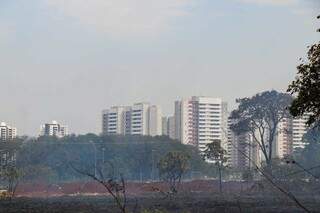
(67, 60)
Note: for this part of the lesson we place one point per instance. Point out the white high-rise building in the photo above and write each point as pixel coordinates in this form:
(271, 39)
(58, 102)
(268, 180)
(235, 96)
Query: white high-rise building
(116, 120)
(232, 146)
(171, 127)
(155, 121)
(7, 133)
(225, 127)
(289, 136)
(168, 127)
(139, 119)
(299, 129)
(283, 138)
(185, 124)
(54, 129)
(165, 126)
(200, 120)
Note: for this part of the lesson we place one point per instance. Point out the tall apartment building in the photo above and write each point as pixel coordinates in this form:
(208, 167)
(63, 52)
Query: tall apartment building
(225, 127)
(54, 129)
(241, 147)
(7, 133)
(289, 137)
(168, 127)
(299, 128)
(155, 121)
(200, 120)
(117, 120)
(232, 147)
(283, 138)
(139, 119)
(165, 126)
(171, 127)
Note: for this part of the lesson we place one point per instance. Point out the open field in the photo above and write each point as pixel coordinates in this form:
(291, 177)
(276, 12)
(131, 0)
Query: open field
(193, 197)
(42, 190)
(191, 203)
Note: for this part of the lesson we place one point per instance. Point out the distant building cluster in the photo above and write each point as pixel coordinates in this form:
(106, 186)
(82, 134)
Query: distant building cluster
(139, 119)
(54, 129)
(7, 133)
(196, 121)
(288, 138)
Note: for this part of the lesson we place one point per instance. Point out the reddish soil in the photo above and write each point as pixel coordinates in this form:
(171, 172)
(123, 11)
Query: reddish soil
(133, 188)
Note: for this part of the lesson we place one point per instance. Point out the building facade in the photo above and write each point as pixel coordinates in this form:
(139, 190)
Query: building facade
(165, 126)
(54, 129)
(290, 135)
(7, 133)
(168, 127)
(139, 119)
(245, 152)
(117, 120)
(171, 127)
(299, 129)
(288, 138)
(284, 138)
(200, 120)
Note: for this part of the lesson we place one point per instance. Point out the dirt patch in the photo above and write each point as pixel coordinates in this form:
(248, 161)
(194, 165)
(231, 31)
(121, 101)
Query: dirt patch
(133, 188)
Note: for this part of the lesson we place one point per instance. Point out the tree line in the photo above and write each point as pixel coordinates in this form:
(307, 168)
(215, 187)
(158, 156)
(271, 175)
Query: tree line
(136, 157)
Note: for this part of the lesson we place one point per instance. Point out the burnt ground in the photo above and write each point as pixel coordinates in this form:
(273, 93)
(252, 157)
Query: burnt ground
(187, 203)
(193, 197)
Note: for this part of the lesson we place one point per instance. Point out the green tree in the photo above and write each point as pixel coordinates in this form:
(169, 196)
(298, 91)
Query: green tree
(11, 175)
(306, 86)
(309, 156)
(259, 116)
(135, 157)
(216, 154)
(38, 173)
(172, 167)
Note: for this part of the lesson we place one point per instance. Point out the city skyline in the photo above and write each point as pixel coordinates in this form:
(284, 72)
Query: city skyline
(67, 62)
(196, 121)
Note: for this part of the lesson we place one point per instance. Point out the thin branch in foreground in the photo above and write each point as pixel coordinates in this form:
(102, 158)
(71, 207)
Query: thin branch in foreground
(287, 193)
(115, 189)
(270, 180)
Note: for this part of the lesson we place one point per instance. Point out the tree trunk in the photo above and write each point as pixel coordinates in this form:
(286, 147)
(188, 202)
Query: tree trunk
(269, 167)
(220, 179)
